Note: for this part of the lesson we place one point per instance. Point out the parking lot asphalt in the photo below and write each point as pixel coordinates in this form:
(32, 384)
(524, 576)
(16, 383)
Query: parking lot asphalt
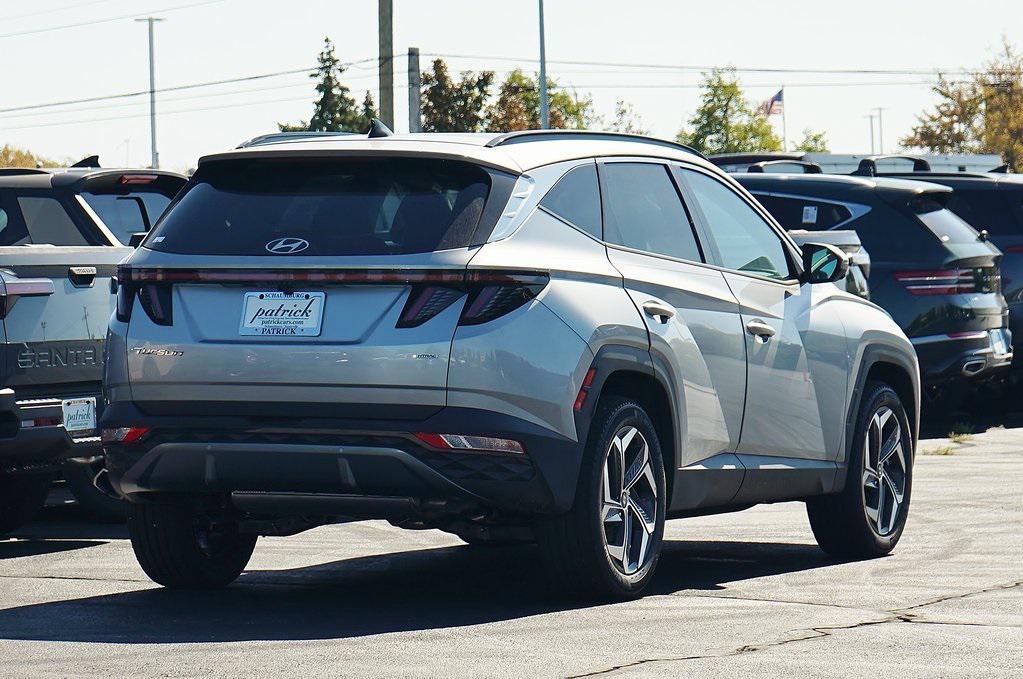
(746, 594)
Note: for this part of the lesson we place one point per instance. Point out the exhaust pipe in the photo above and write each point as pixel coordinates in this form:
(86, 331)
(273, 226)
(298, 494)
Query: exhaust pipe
(973, 367)
(101, 481)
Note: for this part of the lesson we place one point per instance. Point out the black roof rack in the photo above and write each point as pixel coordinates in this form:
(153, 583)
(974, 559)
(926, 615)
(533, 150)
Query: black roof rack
(535, 135)
(868, 166)
(808, 167)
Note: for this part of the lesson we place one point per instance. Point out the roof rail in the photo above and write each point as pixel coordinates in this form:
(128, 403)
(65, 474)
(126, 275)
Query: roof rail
(279, 137)
(15, 171)
(534, 135)
(868, 166)
(808, 167)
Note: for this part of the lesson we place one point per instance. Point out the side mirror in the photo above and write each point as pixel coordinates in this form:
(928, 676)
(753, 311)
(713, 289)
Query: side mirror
(136, 238)
(823, 263)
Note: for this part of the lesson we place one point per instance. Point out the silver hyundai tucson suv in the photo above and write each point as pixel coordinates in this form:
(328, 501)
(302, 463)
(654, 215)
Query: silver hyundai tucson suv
(549, 336)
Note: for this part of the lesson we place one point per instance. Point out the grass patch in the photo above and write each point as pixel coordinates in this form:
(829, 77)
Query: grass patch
(961, 432)
(940, 450)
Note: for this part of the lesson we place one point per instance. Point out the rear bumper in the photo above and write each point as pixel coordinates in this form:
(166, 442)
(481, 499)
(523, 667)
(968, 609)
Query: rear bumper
(279, 465)
(964, 356)
(32, 435)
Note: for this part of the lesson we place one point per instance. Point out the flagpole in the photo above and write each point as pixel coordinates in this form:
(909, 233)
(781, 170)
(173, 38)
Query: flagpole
(784, 127)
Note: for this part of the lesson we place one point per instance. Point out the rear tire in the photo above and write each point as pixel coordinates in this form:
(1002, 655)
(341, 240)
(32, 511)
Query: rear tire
(20, 499)
(181, 549)
(867, 518)
(79, 478)
(608, 545)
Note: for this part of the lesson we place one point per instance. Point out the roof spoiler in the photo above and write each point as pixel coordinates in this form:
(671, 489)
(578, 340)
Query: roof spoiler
(868, 166)
(89, 161)
(808, 167)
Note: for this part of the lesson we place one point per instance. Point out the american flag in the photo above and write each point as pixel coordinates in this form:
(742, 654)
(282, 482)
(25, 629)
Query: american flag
(775, 105)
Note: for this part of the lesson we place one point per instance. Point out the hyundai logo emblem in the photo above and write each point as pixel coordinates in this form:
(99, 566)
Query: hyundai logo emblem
(287, 246)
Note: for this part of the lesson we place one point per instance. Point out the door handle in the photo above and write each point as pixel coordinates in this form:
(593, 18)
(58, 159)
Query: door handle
(82, 276)
(656, 310)
(762, 331)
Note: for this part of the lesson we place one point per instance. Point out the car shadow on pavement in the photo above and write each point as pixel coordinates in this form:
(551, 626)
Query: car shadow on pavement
(14, 548)
(412, 590)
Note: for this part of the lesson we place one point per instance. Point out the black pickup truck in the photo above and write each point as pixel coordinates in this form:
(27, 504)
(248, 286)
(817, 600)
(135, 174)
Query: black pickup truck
(62, 233)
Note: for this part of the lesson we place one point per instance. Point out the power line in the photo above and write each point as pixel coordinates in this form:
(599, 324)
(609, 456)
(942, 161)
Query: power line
(678, 67)
(176, 88)
(64, 8)
(93, 22)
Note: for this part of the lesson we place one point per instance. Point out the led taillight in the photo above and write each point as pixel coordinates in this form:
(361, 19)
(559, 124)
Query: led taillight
(124, 435)
(425, 302)
(939, 282)
(493, 294)
(136, 179)
(470, 443)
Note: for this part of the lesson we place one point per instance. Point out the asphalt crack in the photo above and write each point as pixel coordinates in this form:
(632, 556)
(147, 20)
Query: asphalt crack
(899, 615)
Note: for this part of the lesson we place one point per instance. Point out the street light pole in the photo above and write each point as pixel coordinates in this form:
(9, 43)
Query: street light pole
(152, 93)
(545, 111)
(385, 39)
(871, 119)
(880, 129)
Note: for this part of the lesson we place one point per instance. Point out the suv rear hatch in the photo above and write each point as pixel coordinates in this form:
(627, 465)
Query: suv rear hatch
(308, 287)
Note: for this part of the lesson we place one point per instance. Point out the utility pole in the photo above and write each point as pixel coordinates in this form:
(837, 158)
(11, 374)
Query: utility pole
(386, 42)
(155, 163)
(545, 107)
(415, 86)
(871, 119)
(880, 129)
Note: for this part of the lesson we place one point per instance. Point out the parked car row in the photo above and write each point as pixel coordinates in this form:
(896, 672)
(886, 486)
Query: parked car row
(935, 266)
(566, 338)
(62, 234)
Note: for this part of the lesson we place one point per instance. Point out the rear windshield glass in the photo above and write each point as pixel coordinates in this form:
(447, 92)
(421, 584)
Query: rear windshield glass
(987, 210)
(325, 207)
(943, 223)
(127, 213)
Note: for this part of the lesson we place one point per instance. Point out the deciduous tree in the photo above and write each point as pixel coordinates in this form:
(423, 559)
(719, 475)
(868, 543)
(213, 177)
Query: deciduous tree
(813, 142)
(980, 114)
(726, 122)
(518, 106)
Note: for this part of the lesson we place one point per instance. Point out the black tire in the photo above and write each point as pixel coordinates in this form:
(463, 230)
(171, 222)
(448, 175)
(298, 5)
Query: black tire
(21, 498)
(573, 544)
(98, 505)
(181, 549)
(840, 522)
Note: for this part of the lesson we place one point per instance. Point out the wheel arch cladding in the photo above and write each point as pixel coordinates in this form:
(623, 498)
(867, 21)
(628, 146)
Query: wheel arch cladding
(650, 393)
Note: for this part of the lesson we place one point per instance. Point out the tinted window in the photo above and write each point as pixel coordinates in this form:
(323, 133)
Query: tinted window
(804, 213)
(46, 222)
(986, 210)
(943, 223)
(360, 206)
(576, 199)
(642, 210)
(122, 213)
(745, 241)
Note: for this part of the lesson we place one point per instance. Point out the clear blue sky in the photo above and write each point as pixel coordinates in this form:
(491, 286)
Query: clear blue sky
(233, 38)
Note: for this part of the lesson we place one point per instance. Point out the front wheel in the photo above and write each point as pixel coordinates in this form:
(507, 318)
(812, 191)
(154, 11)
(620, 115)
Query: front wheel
(867, 518)
(182, 549)
(608, 545)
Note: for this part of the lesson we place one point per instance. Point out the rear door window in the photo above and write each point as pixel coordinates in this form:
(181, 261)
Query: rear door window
(127, 213)
(359, 206)
(643, 211)
(744, 240)
(804, 213)
(986, 210)
(943, 223)
(44, 221)
(576, 199)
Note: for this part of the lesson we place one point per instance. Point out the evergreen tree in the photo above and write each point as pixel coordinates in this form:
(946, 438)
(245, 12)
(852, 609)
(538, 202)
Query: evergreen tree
(455, 106)
(335, 109)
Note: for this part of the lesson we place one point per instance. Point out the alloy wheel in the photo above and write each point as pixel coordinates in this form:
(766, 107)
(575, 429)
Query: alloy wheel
(884, 471)
(628, 501)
